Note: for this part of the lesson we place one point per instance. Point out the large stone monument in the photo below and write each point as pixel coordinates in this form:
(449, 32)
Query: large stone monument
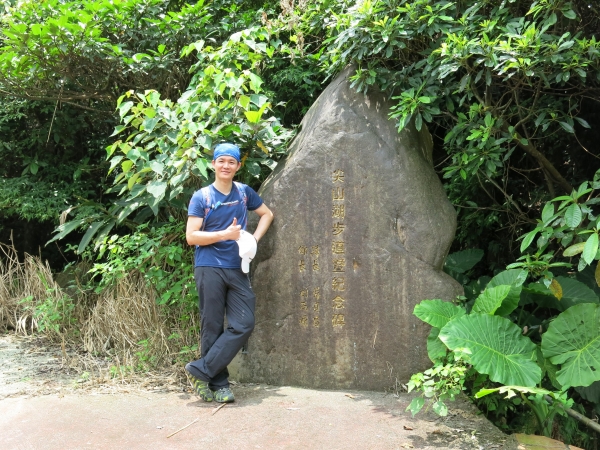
(362, 227)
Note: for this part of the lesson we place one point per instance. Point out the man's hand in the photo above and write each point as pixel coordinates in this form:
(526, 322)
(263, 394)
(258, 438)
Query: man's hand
(232, 232)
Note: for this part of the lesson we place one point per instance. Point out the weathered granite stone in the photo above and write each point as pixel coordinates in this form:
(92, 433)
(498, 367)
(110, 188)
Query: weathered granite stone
(362, 227)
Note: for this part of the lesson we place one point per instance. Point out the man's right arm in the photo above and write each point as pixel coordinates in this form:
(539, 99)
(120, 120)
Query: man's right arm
(194, 236)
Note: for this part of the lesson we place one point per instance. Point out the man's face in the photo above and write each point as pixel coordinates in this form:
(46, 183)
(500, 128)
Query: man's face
(226, 167)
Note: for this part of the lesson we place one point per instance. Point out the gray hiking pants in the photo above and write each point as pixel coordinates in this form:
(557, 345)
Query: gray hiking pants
(222, 293)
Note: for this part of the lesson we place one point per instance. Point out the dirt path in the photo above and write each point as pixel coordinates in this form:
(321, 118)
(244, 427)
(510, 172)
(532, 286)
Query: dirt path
(47, 405)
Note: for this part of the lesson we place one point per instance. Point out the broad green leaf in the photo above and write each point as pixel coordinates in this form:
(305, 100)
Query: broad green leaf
(463, 260)
(65, 229)
(124, 108)
(89, 234)
(252, 116)
(202, 165)
(157, 189)
(548, 369)
(494, 346)
(573, 342)
(440, 408)
(436, 349)
(244, 101)
(126, 166)
(114, 162)
(491, 299)
(529, 237)
(591, 393)
(573, 215)
(437, 313)
(416, 405)
(510, 391)
(568, 128)
(514, 278)
(574, 249)
(590, 249)
(149, 124)
(574, 292)
(157, 167)
(547, 212)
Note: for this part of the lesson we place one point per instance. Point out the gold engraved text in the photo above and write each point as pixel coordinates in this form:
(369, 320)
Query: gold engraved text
(338, 211)
(339, 265)
(338, 247)
(304, 321)
(338, 176)
(317, 293)
(316, 322)
(337, 193)
(338, 320)
(338, 284)
(338, 228)
(338, 302)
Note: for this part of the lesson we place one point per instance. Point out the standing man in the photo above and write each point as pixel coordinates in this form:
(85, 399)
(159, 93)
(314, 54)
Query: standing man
(216, 215)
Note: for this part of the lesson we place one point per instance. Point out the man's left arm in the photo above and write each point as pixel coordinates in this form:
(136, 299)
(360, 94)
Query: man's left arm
(266, 217)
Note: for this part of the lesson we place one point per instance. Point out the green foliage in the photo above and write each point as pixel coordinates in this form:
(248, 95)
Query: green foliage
(508, 351)
(539, 401)
(441, 383)
(568, 223)
(159, 253)
(494, 346)
(167, 151)
(573, 342)
(76, 51)
(50, 315)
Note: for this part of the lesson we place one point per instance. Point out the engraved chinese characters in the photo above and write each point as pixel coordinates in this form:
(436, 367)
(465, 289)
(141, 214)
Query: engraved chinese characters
(305, 294)
(336, 273)
(361, 229)
(338, 248)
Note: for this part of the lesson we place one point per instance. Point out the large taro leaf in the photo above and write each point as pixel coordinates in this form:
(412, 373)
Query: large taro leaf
(494, 346)
(574, 292)
(437, 313)
(588, 277)
(491, 299)
(573, 342)
(591, 393)
(515, 279)
(436, 349)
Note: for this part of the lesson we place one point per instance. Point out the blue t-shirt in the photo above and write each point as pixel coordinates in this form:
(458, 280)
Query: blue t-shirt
(223, 254)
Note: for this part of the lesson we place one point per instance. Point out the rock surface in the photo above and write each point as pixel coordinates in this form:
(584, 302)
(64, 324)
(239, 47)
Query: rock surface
(362, 227)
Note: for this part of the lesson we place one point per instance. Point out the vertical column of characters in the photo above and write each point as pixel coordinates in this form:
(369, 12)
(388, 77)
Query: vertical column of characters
(309, 261)
(338, 249)
(303, 252)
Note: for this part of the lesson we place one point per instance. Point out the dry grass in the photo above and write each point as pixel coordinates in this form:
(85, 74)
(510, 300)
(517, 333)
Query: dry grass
(22, 286)
(118, 332)
(126, 315)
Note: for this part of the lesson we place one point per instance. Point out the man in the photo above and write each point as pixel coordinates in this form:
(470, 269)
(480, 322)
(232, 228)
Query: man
(216, 216)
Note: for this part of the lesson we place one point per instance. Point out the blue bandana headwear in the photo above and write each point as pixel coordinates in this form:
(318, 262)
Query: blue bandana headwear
(227, 149)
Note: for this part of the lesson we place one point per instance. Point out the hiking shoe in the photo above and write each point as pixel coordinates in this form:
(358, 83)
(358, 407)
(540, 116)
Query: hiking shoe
(223, 395)
(200, 387)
